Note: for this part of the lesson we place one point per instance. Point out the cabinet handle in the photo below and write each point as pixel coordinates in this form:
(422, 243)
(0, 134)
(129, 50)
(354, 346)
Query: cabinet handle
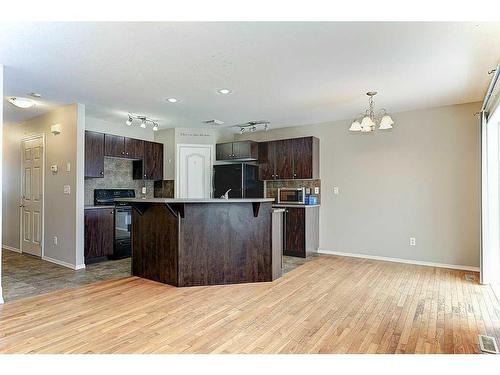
(145, 176)
(229, 155)
(111, 212)
(127, 153)
(123, 152)
(102, 172)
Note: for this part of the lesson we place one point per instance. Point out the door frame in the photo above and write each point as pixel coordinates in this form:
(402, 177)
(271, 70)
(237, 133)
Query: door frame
(42, 242)
(178, 162)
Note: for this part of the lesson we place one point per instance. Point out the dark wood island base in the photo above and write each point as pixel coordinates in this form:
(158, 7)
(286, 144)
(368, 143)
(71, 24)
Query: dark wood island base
(202, 242)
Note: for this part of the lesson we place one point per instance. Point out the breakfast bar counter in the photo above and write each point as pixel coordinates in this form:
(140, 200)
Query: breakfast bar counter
(190, 242)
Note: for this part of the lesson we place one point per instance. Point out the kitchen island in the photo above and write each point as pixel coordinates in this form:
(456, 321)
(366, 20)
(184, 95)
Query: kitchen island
(190, 242)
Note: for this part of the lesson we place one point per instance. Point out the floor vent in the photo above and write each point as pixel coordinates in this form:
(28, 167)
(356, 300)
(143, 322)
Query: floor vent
(488, 344)
(469, 277)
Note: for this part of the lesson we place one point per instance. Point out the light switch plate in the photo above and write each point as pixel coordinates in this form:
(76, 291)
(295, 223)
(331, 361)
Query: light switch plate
(53, 168)
(67, 189)
(68, 167)
(336, 190)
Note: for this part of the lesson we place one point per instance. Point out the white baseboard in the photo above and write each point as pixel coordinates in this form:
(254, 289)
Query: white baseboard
(10, 248)
(64, 264)
(398, 260)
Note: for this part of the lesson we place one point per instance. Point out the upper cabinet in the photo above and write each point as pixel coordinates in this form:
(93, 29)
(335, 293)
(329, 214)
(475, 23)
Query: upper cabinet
(243, 150)
(122, 147)
(296, 158)
(151, 166)
(94, 154)
(147, 156)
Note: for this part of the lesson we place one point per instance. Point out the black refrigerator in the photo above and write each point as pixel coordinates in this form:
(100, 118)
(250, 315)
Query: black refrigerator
(241, 178)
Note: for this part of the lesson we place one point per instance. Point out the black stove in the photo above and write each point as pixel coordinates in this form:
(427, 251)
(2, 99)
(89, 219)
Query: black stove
(123, 218)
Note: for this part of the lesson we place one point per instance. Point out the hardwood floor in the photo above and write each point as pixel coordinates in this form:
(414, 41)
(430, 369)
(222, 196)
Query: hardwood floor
(328, 305)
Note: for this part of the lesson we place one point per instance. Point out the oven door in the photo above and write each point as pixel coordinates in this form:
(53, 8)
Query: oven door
(123, 228)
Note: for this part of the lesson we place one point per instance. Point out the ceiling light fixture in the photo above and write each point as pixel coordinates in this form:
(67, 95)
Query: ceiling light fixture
(252, 126)
(145, 121)
(366, 123)
(172, 100)
(129, 120)
(224, 91)
(35, 95)
(21, 102)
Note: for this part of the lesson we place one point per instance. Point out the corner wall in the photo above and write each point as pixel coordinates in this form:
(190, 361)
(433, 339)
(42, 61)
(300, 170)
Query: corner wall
(1, 175)
(63, 214)
(420, 179)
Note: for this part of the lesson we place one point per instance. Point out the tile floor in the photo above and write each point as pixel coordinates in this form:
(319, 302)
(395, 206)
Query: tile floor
(24, 275)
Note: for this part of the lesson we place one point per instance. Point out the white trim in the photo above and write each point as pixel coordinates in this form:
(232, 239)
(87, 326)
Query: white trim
(44, 149)
(399, 260)
(64, 264)
(10, 248)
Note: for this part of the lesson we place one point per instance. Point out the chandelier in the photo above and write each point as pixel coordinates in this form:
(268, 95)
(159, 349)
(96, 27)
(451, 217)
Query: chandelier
(145, 121)
(366, 123)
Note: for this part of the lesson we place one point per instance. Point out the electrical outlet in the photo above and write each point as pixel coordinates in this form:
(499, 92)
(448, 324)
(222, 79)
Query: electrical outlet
(54, 240)
(67, 189)
(336, 190)
(68, 167)
(413, 241)
(143, 190)
(316, 190)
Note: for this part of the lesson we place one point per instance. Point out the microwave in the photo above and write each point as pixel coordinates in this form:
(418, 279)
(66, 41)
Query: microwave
(292, 195)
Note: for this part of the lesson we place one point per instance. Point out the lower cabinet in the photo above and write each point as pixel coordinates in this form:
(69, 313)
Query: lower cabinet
(99, 233)
(301, 231)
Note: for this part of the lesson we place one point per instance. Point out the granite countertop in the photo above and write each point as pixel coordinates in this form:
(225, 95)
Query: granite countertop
(278, 205)
(187, 200)
(91, 206)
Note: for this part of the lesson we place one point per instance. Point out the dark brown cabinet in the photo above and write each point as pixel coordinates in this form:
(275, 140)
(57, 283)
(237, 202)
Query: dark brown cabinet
(114, 146)
(242, 150)
(99, 232)
(123, 147)
(296, 158)
(134, 148)
(94, 154)
(300, 231)
(151, 166)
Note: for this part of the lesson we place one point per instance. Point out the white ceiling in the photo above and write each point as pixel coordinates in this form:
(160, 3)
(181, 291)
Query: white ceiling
(289, 73)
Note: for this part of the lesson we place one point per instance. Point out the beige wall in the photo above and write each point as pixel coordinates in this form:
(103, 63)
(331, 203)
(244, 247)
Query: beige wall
(61, 211)
(1, 177)
(420, 179)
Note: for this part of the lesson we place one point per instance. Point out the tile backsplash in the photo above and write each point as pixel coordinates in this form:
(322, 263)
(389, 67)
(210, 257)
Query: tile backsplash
(117, 175)
(272, 186)
(164, 189)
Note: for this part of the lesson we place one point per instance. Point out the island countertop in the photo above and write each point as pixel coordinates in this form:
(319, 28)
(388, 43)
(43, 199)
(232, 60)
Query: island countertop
(191, 200)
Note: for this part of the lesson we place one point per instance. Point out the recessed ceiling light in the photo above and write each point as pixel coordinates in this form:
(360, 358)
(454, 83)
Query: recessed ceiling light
(224, 91)
(172, 100)
(21, 102)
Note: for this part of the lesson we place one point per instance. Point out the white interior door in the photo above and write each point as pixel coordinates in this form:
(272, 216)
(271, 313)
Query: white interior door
(194, 171)
(32, 196)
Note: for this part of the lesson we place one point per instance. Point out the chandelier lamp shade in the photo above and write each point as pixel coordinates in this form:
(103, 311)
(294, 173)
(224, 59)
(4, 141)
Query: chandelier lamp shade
(367, 122)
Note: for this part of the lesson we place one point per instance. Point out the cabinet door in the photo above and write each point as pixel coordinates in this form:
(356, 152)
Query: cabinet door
(245, 150)
(153, 161)
(302, 158)
(114, 146)
(284, 159)
(99, 232)
(224, 151)
(294, 232)
(94, 154)
(134, 148)
(266, 160)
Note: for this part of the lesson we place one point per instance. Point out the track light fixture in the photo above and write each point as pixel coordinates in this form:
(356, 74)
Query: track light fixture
(145, 121)
(252, 126)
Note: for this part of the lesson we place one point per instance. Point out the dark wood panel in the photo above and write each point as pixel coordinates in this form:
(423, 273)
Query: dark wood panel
(295, 232)
(239, 252)
(151, 166)
(245, 150)
(134, 148)
(114, 146)
(155, 242)
(99, 232)
(266, 160)
(94, 154)
(302, 157)
(284, 159)
(224, 151)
